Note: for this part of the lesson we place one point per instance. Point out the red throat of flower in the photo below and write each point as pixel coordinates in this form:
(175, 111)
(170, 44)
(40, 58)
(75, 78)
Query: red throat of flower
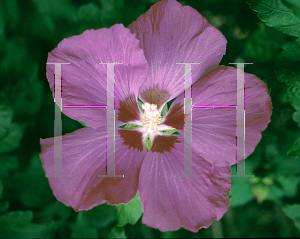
(155, 96)
(129, 112)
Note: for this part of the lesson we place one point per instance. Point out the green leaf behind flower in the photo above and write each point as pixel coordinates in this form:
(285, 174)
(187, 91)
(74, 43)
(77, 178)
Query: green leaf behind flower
(263, 45)
(18, 224)
(83, 228)
(10, 133)
(130, 126)
(83, 124)
(293, 212)
(117, 232)
(148, 143)
(291, 50)
(140, 103)
(276, 14)
(1, 188)
(287, 70)
(169, 132)
(102, 216)
(294, 150)
(39, 191)
(130, 212)
(164, 110)
(294, 5)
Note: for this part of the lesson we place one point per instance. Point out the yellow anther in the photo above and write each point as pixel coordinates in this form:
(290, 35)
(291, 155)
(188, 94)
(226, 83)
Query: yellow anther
(151, 117)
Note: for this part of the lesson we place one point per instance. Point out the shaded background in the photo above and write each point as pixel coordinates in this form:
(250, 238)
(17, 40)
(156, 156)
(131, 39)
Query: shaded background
(265, 206)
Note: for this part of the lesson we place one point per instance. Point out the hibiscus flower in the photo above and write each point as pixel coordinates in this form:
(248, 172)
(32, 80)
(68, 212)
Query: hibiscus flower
(149, 49)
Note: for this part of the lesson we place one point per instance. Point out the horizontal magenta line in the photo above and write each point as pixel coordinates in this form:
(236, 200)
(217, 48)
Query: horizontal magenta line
(110, 62)
(84, 106)
(214, 106)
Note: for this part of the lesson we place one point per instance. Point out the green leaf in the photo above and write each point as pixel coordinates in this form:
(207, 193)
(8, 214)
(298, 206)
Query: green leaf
(116, 232)
(89, 12)
(111, 11)
(14, 59)
(276, 14)
(148, 143)
(30, 93)
(131, 126)
(83, 228)
(10, 137)
(294, 150)
(10, 12)
(83, 124)
(55, 213)
(294, 93)
(18, 224)
(293, 212)
(2, 36)
(288, 71)
(164, 110)
(287, 165)
(4, 205)
(169, 131)
(263, 45)
(38, 25)
(169, 103)
(21, 74)
(61, 9)
(296, 117)
(285, 187)
(1, 188)
(140, 103)
(10, 133)
(130, 212)
(8, 164)
(6, 115)
(50, 218)
(31, 186)
(291, 50)
(103, 215)
(240, 192)
(294, 5)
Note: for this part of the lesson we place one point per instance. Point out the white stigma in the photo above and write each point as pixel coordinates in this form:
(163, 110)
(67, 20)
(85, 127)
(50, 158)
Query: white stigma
(151, 117)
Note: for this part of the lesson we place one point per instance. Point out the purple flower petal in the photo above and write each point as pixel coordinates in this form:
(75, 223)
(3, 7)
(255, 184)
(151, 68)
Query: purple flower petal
(84, 81)
(84, 158)
(214, 129)
(169, 33)
(165, 35)
(171, 202)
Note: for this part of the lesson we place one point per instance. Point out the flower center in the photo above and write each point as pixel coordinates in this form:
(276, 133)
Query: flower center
(151, 117)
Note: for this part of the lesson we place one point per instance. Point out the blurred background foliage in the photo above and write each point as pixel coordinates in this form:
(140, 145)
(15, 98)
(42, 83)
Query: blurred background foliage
(265, 32)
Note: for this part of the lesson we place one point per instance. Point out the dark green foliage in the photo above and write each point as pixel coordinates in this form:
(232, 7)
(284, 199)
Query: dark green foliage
(275, 14)
(293, 211)
(264, 206)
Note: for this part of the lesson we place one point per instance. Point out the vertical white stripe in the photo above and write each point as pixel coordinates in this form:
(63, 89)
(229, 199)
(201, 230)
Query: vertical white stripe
(58, 123)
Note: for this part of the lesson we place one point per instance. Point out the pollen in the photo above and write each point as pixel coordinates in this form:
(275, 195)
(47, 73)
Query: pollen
(151, 117)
